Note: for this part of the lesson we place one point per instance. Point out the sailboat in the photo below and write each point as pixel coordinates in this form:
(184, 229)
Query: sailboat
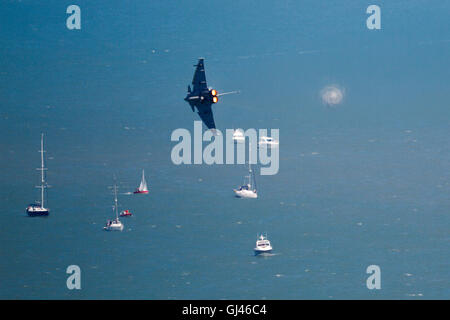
(247, 190)
(38, 208)
(116, 224)
(143, 186)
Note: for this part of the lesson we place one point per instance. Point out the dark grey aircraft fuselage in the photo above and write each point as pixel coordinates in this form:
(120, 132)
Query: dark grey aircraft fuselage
(204, 97)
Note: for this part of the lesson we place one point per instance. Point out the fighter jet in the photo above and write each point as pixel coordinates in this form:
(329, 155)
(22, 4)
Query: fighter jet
(203, 97)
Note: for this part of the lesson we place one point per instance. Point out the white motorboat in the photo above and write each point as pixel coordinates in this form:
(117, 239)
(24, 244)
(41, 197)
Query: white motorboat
(262, 245)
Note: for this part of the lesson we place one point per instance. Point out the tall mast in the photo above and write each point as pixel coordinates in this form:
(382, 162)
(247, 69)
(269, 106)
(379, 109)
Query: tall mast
(115, 201)
(42, 169)
(249, 164)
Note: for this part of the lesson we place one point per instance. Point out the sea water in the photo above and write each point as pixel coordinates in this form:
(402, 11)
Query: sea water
(362, 182)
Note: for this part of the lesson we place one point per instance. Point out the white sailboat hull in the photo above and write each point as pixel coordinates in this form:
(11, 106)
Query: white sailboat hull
(35, 210)
(114, 227)
(246, 194)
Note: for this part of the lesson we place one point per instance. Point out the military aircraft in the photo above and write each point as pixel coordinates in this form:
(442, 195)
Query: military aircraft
(203, 97)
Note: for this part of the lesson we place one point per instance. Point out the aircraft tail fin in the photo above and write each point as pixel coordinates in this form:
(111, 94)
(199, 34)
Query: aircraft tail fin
(189, 89)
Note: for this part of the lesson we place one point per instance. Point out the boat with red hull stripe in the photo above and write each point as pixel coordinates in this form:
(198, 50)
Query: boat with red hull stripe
(143, 186)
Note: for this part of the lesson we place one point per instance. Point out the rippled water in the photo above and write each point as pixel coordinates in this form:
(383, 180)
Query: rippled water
(364, 182)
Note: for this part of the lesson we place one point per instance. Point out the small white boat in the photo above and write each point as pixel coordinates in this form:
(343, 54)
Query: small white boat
(38, 208)
(262, 245)
(143, 186)
(238, 136)
(268, 141)
(116, 224)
